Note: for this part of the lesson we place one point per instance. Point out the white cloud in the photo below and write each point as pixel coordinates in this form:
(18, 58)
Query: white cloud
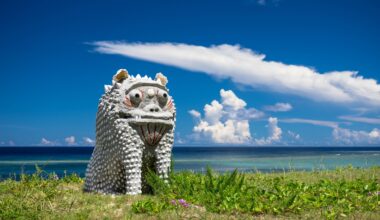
(375, 133)
(46, 142)
(342, 135)
(213, 112)
(361, 119)
(180, 141)
(195, 113)
(228, 122)
(294, 135)
(70, 140)
(229, 131)
(243, 66)
(275, 133)
(229, 99)
(353, 137)
(88, 141)
(331, 124)
(279, 107)
(225, 122)
(11, 143)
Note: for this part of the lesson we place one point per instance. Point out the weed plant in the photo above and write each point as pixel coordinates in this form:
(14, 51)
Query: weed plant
(274, 194)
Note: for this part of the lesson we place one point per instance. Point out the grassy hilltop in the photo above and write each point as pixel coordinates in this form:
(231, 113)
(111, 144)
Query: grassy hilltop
(347, 193)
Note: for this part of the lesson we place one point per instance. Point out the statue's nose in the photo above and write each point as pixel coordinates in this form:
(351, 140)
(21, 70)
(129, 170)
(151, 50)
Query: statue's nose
(150, 93)
(152, 108)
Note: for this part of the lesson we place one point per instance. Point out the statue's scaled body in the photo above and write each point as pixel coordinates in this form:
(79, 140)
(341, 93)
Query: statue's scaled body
(134, 133)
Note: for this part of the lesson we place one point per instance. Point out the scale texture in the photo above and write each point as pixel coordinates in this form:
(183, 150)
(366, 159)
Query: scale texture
(134, 133)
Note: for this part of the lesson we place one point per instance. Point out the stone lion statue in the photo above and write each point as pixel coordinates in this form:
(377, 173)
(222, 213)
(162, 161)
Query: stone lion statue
(134, 132)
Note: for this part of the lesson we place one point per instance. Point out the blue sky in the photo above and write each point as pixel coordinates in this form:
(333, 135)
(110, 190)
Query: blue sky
(318, 83)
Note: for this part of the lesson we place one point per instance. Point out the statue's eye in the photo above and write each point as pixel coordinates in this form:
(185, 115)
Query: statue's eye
(162, 98)
(135, 96)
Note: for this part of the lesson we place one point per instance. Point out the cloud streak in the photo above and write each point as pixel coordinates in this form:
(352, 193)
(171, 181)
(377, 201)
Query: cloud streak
(344, 136)
(331, 124)
(279, 107)
(361, 119)
(244, 66)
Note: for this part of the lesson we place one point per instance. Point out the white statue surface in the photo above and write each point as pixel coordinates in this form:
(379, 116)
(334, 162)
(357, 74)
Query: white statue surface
(134, 132)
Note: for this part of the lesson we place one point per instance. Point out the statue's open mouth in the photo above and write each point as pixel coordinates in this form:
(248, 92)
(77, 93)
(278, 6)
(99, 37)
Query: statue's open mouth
(151, 132)
(151, 128)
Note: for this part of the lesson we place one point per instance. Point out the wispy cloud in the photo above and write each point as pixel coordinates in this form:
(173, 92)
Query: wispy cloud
(294, 135)
(361, 119)
(246, 67)
(279, 107)
(331, 124)
(354, 137)
(46, 142)
(88, 141)
(341, 135)
(70, 140)
(195, 114)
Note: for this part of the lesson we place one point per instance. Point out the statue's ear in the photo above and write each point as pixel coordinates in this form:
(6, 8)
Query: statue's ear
(161, 79)
(120, 76)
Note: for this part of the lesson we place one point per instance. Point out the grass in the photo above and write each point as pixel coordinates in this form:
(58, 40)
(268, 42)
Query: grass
(346, 193)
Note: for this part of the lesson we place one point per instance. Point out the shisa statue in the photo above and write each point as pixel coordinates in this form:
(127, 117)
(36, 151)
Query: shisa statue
(134, 133)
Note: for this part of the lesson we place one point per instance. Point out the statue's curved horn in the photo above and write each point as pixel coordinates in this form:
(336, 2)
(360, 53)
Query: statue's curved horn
(161, 79)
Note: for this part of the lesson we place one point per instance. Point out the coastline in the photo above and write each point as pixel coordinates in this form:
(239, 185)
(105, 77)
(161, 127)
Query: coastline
(61, 160)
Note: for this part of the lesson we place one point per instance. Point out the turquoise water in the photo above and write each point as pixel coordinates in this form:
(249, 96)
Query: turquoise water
(16, 160)
(267, 159)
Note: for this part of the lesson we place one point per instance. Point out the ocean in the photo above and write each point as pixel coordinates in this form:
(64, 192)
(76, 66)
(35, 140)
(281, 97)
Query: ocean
(61, 160)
